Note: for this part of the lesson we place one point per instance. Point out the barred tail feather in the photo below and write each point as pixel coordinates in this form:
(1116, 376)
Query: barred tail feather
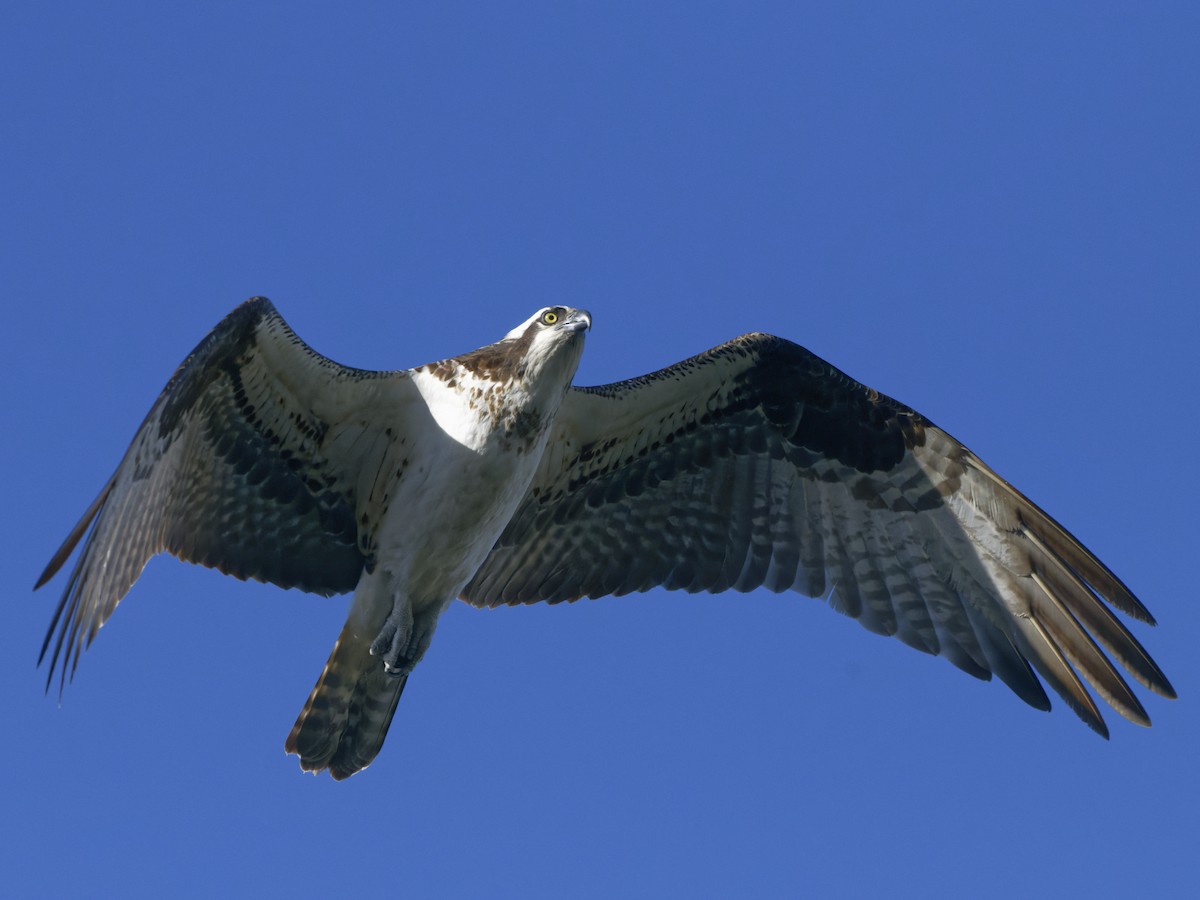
(346, 718)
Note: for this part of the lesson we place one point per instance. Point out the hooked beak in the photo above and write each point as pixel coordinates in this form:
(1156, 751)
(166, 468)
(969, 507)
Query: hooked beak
(578, 321)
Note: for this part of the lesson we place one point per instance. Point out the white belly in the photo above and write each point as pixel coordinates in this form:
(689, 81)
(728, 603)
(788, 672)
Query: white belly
(454, 492)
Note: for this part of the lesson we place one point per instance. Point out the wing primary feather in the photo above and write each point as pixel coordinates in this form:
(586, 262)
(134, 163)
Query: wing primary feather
(63, 553)
(1078, 557)
(1081, 651)
(66, 605)
(1005, 660)
(1099, 621)
(1044, 653)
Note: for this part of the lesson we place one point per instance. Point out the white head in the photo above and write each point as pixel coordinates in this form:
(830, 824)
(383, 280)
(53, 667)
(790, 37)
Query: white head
(562, 318)
(547, 346)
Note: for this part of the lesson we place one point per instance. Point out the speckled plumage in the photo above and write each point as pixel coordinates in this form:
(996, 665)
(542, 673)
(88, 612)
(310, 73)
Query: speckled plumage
(755, 464)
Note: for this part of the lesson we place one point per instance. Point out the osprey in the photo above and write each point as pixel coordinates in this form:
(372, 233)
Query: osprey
(489, 478)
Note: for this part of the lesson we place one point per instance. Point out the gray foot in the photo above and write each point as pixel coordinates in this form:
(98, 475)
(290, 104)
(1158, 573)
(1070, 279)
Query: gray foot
(402, 641)
(392, 641)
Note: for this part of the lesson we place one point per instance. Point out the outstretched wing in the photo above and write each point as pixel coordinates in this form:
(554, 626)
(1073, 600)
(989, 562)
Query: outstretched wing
(258, 459)
(758, 464)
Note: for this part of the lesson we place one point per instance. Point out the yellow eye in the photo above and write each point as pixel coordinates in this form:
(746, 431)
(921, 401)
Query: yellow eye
(549, 317)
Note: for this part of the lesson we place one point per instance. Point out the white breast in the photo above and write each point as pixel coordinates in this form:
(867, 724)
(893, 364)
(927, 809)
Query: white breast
(455, 489)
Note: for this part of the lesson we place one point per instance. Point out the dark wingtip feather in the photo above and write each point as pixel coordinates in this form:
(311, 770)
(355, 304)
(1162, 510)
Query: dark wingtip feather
(1086, 564)
(63, 621)
(1098, 725)
(1166, 690)
(63, 553)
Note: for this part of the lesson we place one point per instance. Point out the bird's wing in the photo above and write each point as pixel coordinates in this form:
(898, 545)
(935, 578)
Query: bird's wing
(259, 459)
(757, 464)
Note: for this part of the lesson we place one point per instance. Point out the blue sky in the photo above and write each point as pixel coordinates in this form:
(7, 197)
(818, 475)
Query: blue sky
(989, 211)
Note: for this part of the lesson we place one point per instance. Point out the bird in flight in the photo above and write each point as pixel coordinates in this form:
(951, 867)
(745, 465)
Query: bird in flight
(490, 478)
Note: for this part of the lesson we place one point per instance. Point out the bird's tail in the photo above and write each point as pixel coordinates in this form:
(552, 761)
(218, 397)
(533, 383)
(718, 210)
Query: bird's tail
(346, 718)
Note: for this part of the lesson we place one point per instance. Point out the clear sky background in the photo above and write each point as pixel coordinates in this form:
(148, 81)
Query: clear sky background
(988, 210)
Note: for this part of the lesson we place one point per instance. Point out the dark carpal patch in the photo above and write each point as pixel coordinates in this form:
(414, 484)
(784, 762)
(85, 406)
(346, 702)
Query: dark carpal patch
(817, 406)
(232, 336)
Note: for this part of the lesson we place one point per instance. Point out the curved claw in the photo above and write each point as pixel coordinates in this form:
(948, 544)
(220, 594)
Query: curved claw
(403, 640)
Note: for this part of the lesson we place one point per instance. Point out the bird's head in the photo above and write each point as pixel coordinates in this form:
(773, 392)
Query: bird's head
(555, 323)
(550, 339)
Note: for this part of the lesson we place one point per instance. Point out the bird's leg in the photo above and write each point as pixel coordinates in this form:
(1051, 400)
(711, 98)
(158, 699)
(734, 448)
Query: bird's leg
(405, 636)
(393, 638)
